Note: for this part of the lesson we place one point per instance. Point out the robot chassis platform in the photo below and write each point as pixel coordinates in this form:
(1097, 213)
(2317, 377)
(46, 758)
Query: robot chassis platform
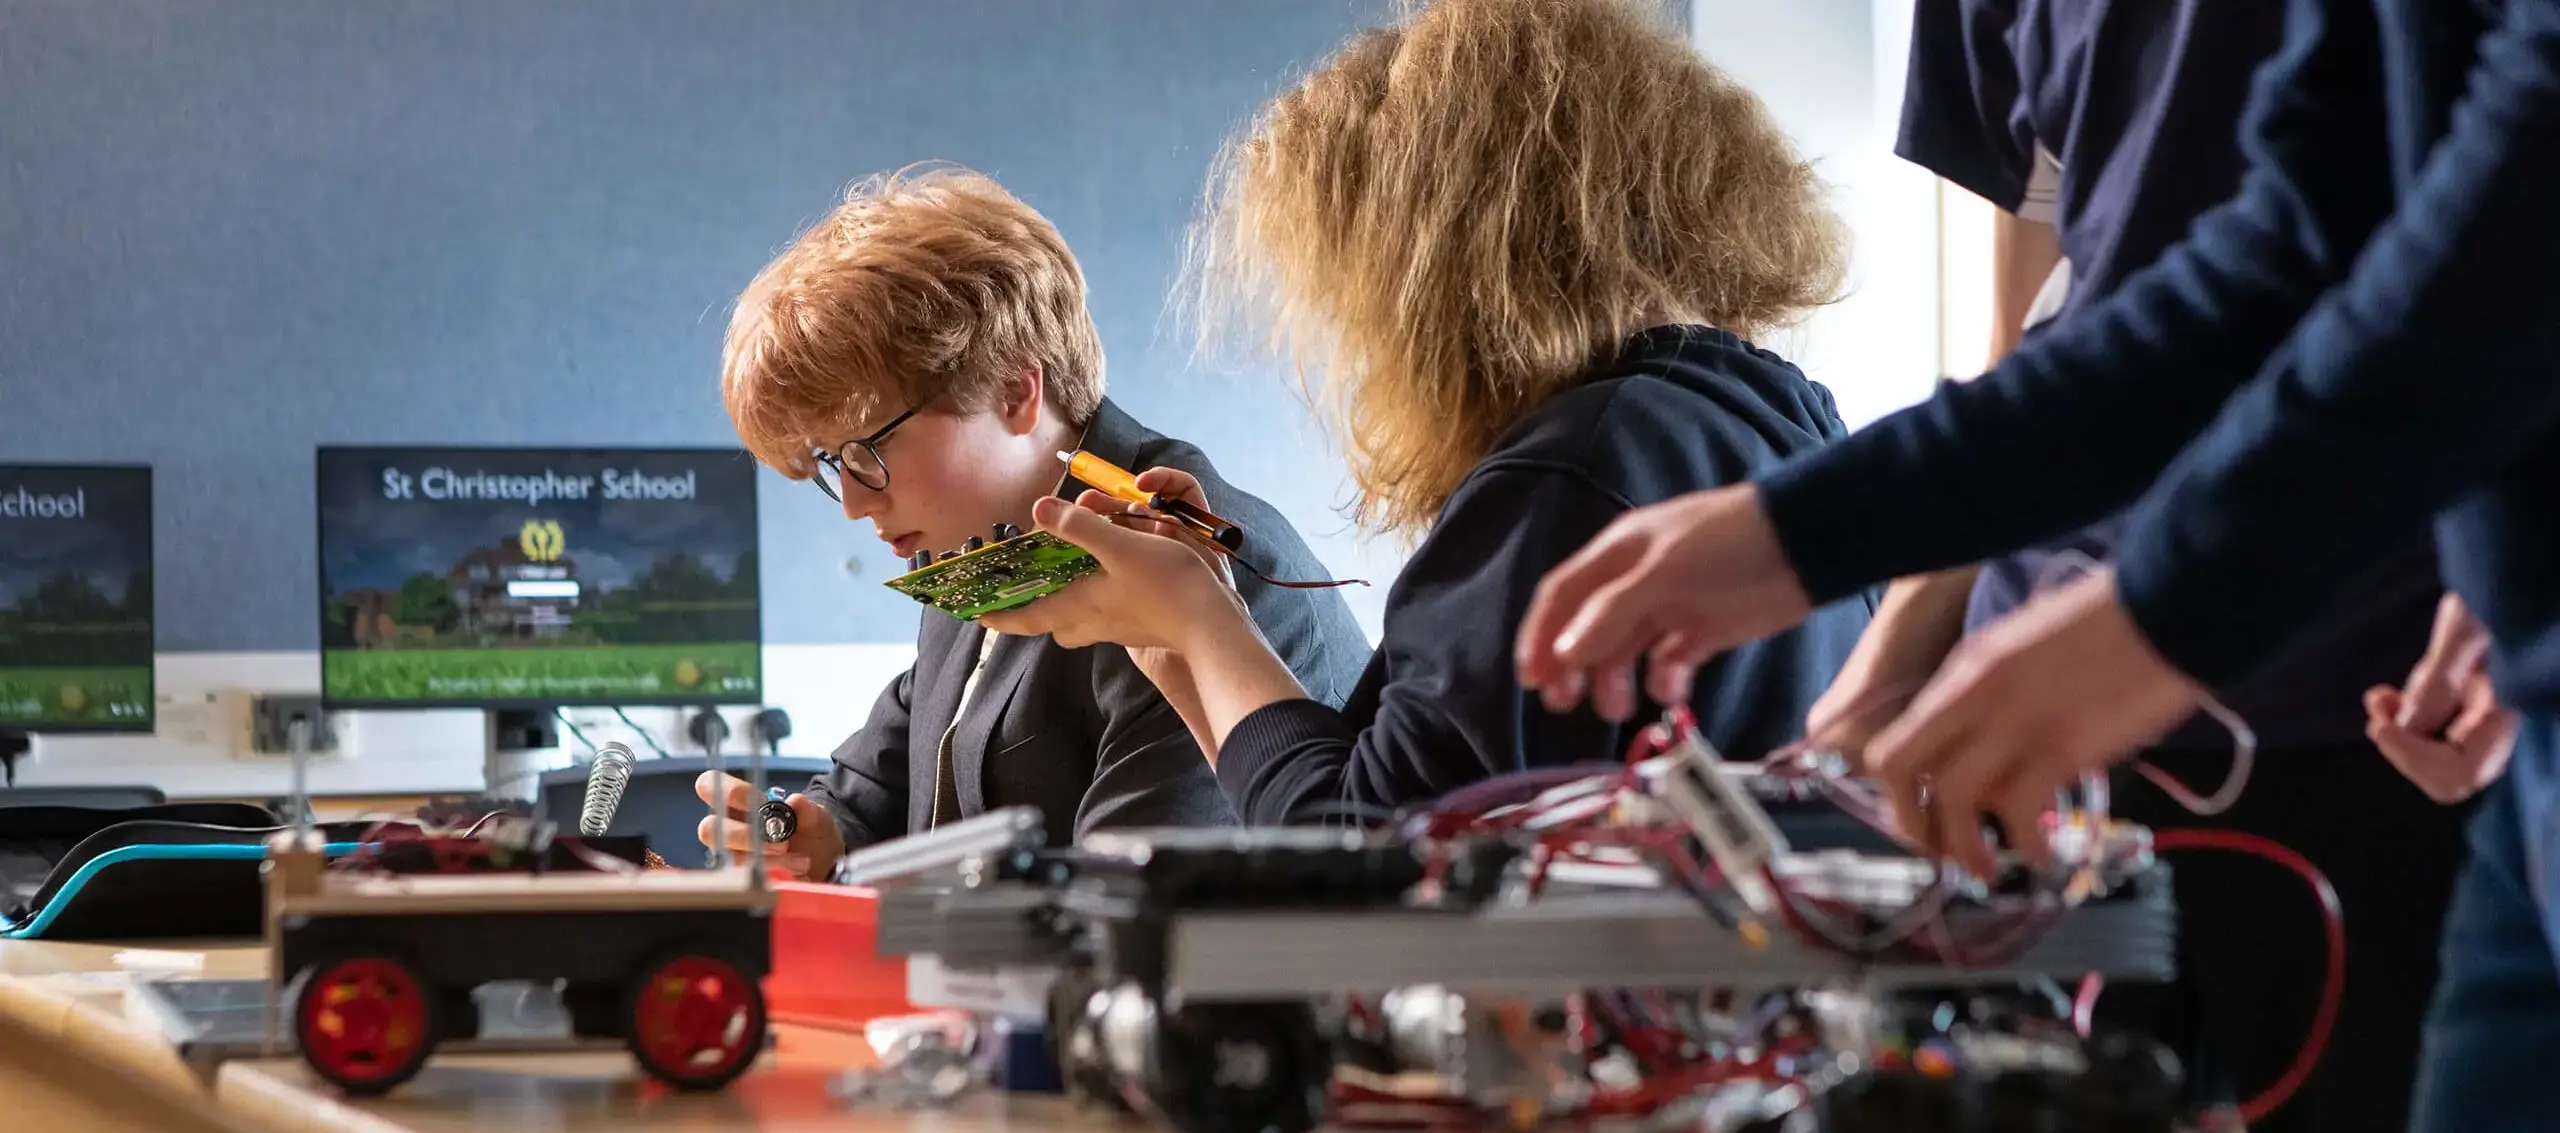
(378, 969)
(1202, 976)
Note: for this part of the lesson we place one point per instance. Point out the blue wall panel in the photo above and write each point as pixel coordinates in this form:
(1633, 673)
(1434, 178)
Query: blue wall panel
(233, 229)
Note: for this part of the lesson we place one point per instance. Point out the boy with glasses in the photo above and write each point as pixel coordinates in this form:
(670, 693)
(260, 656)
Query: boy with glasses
(923, 354)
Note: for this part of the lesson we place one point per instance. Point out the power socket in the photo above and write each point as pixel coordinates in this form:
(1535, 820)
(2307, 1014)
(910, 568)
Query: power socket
(271, 720)
(709, 729)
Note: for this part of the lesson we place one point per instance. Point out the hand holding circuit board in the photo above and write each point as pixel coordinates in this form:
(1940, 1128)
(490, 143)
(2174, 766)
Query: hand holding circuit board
(1018, 568)
(983, 578)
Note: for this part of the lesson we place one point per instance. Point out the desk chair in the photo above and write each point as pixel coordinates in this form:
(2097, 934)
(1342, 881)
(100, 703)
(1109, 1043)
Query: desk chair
(87, 797)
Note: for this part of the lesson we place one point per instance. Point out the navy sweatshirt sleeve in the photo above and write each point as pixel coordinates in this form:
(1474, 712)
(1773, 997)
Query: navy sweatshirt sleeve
(2437, 361)
(2072, 427)
(1958, 96)
(1450, 710)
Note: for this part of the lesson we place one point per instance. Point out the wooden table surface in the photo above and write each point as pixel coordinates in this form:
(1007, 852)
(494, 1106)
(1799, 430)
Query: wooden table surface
(66, 1052)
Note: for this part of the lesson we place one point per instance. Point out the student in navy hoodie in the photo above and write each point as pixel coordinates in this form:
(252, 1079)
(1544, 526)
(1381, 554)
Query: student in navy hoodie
(2362, 339)
(1530, 284)
(2103, 131)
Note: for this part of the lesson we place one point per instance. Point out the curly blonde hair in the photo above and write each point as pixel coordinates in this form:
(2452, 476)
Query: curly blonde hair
(927, 285)
(1453, 219)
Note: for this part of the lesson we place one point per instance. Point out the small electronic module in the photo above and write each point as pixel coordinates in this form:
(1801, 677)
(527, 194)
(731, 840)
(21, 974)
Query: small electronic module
(985, 577)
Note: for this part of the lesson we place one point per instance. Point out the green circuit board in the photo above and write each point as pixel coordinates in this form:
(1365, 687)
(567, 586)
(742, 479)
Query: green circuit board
(998, 576)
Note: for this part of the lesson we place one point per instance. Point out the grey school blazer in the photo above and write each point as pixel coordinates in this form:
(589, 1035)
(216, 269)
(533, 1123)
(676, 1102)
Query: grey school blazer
(1079, 733)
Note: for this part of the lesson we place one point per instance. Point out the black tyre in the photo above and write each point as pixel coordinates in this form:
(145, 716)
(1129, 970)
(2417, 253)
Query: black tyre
(1240, 1068)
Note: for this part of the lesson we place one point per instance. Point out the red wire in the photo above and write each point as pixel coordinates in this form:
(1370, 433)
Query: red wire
(2085, 1004)
(2333, 921)
(1647, 744)
(1658, 738)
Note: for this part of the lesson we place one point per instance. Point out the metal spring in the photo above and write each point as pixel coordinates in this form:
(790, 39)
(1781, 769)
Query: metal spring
(606, 777)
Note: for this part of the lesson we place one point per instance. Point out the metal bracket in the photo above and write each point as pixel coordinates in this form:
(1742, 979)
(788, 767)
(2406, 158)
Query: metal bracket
(915, 858)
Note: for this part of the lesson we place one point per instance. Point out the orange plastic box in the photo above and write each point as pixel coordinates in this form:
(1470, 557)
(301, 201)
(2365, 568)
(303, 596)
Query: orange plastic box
(827, 970)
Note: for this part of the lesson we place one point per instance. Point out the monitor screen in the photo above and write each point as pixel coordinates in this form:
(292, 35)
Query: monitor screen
(75, 598)
(535, 578)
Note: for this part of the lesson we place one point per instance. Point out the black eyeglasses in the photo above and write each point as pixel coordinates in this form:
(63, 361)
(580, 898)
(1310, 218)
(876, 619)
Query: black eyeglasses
(859, 461)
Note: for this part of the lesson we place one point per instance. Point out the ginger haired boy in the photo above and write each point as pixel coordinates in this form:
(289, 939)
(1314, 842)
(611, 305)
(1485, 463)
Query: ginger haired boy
(921, 355)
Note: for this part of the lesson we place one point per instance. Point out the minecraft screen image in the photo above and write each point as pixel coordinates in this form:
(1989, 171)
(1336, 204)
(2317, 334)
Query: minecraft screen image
(538, 577)
(75, 598)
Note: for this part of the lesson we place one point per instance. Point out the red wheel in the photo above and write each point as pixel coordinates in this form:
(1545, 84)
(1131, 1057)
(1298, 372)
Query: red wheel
(696, 1021)
(364, 1022)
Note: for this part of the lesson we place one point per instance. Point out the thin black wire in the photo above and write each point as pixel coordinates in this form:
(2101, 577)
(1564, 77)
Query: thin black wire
(1231, 556)
(1285, 584)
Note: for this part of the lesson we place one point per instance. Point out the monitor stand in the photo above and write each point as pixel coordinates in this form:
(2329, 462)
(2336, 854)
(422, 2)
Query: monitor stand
(519, 741)
(14, 746)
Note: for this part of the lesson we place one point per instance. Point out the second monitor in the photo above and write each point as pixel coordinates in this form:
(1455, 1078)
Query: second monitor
(538, 578)
(76, 641)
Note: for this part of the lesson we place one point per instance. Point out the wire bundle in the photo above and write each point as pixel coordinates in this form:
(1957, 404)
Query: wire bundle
(451, 850)
(1610, 815)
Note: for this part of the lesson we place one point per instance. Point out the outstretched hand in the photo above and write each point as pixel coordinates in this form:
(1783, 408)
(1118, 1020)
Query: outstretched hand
(2063, 685)
(1919, 622)
(1673, 584)
(1156, 587)
(1872, 688)
(2446, 731)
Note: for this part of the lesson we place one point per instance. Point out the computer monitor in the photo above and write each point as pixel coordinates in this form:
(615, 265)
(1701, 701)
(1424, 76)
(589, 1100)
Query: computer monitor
(536, 579)
(76, 637)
